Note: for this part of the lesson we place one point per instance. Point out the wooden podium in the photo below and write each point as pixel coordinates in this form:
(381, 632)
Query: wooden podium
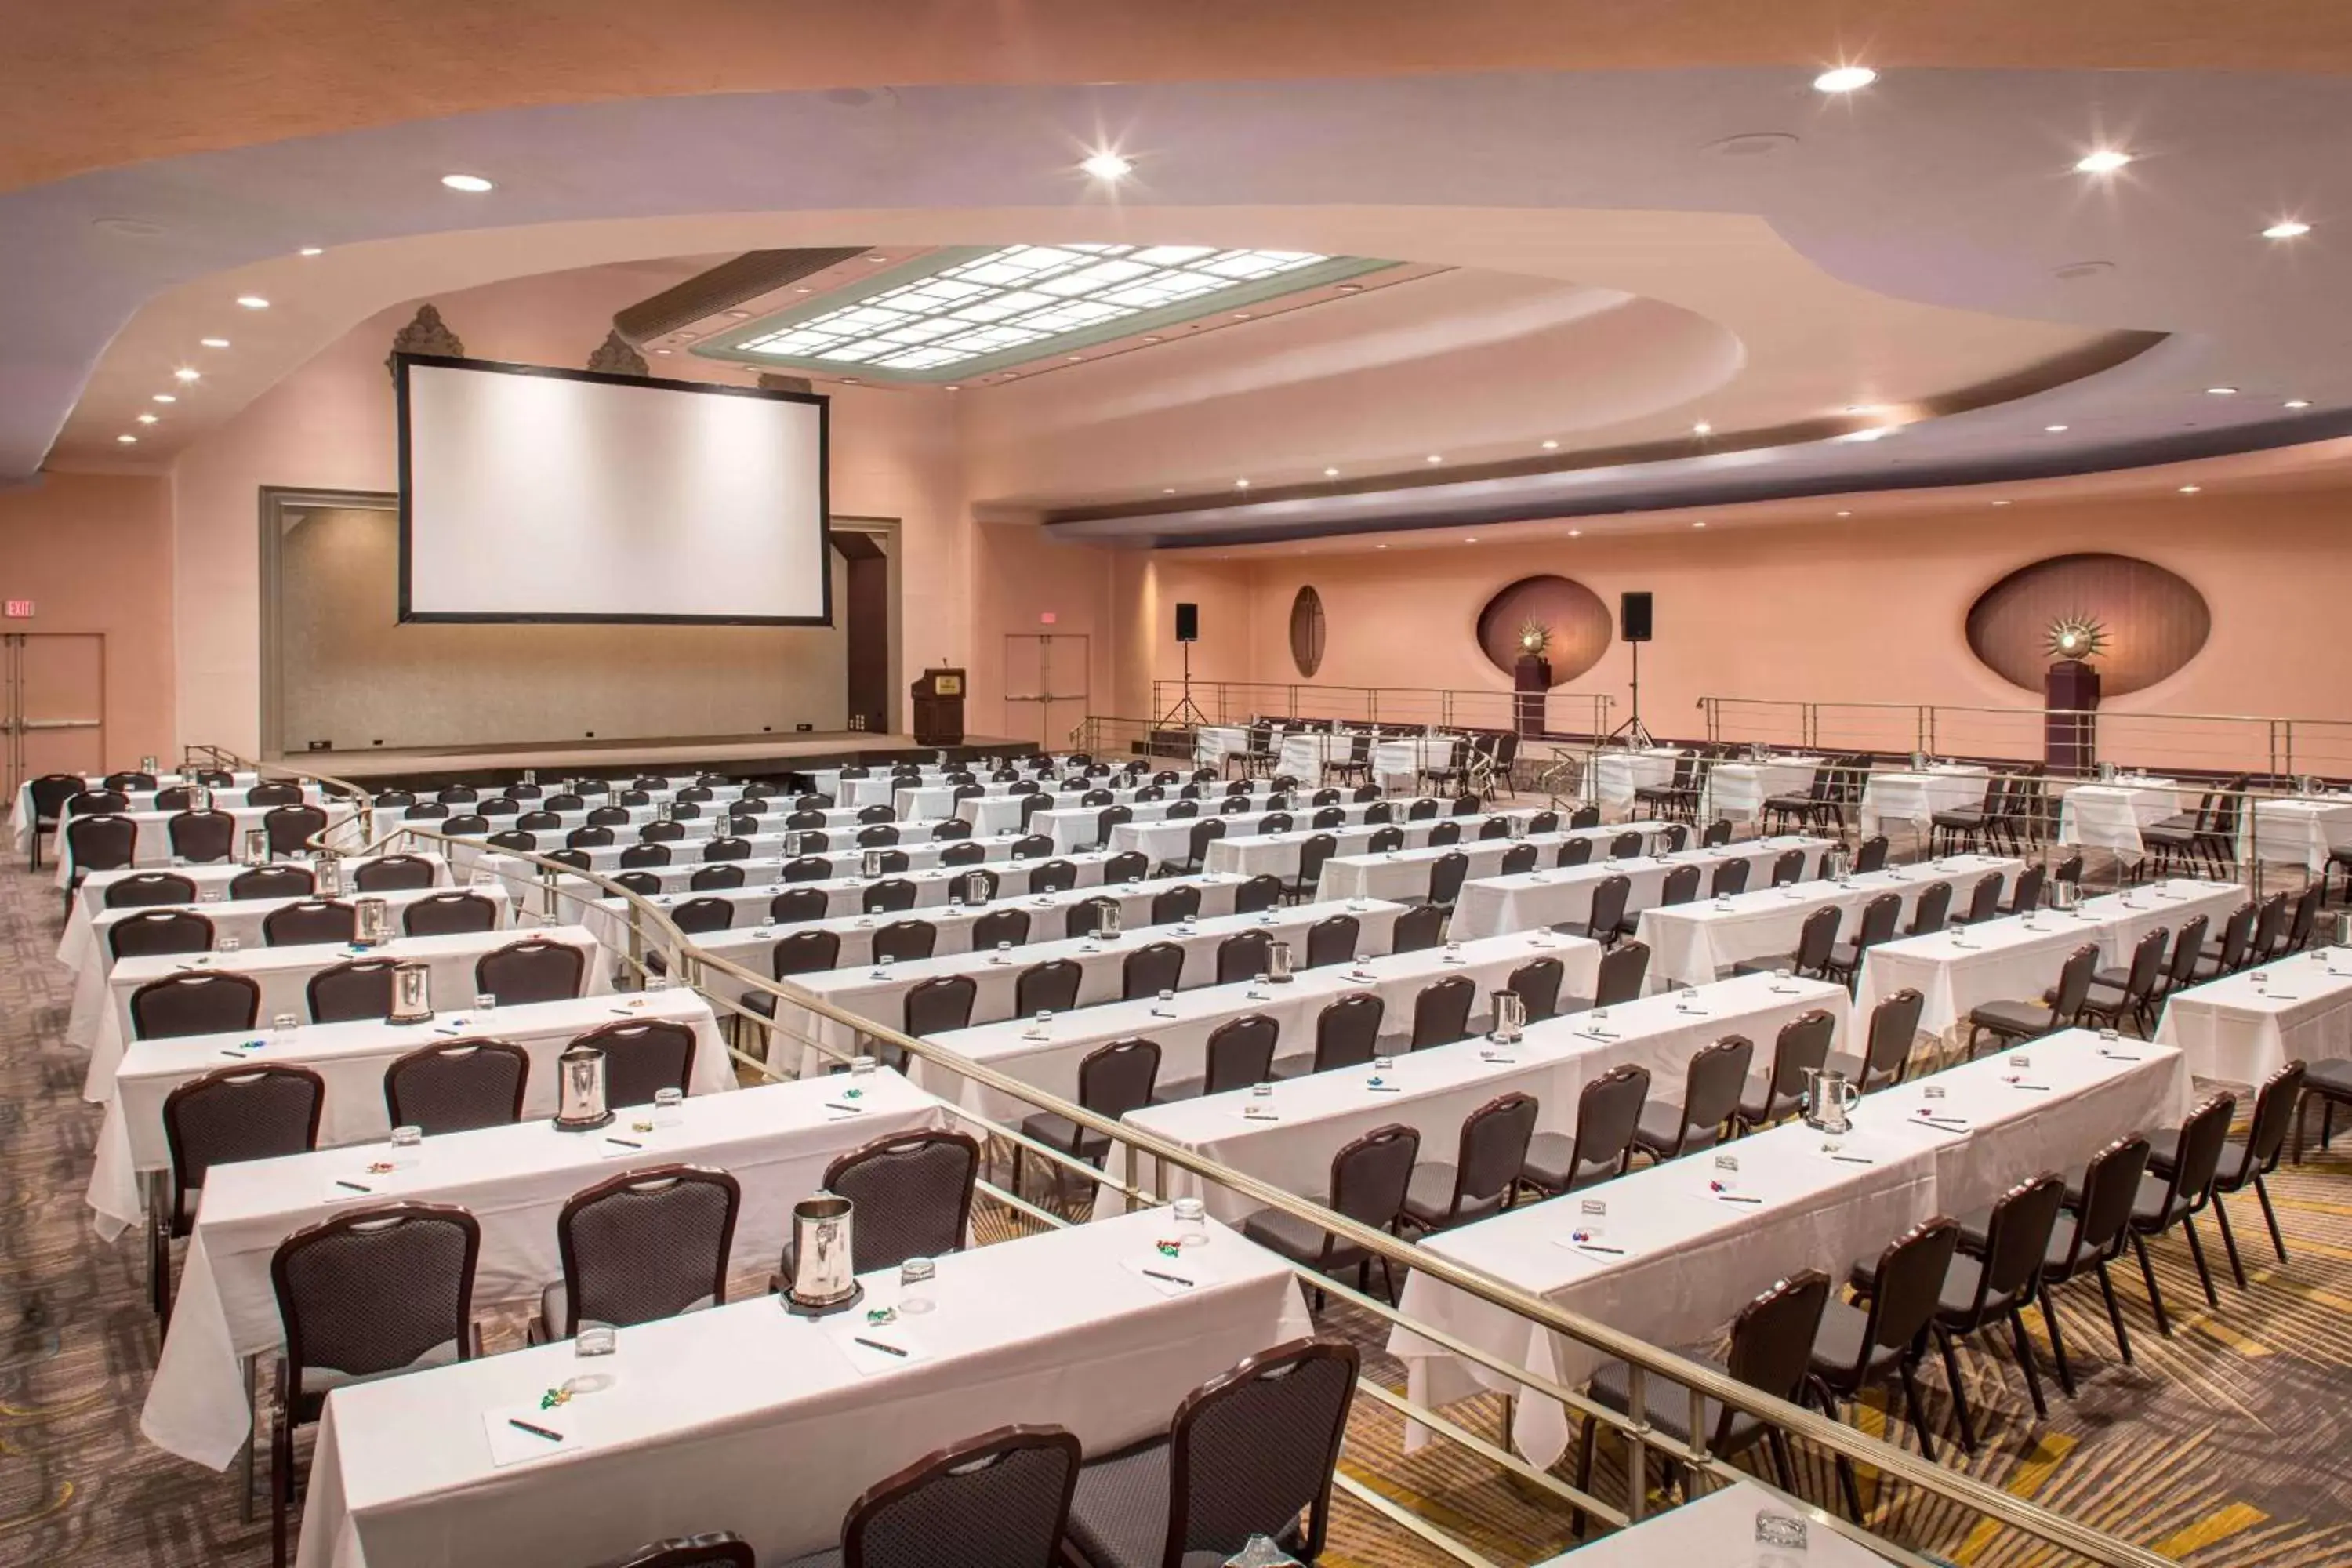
(938, 708)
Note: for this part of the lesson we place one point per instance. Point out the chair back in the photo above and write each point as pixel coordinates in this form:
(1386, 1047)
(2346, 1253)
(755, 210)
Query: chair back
(151, 932)
(996, 926)
(1906, 1286)
(1054, 876)
(903, 942)
(310, 922)
(1817, 938)
(1002, 1498)
(1446, 833)
(1625, 846)
(104, 801)
(794, 905)
(1348, 1033)
(1872, 854)
(2017, 1237)
(1538, 983)
(2274, 1109)
(1803, 1042)
(1584, 816)
(1370, 1175)
(356, 989)
(940, 1004)
(2075, 982)
(1893, 1027)
(532, 970)
(1574, 852)
(2197, 1156)
(1240, 1052)
(202, 837)
(144, 889)
(454, 1086)
(2237, 937)
(1243, 955)
(1440, 1013)
(2110, 1187)
(1149, 970)
(1446, 874)
(1730, 879)
(248, 1112)
(470, 822)
(805, 953)
(1608, 907)
(1255, 1448)
(1049, 987)
(2306, 918)
(1119, 1077)
(877, 836)
(1934, 906)
(1332, 940)
(1608, 1110)
(290, 828)
(1174, 904)
(2147, 963)
(376, 1290)
(1622, 968)
(180, 1004)
(103, 842)
(1984, 898)
(913, 1193)
(1681, 886)
(1878, 918)
(645, 1244)
(1127, 865)
(394, 873)
(891, 895)
(1712, 1084)
(2188, 947)
(2270, 927)
(449, 914)
(638, 855)
(1494, 1151)
(1772, 1340)
(1418, 928)
(643, 1057)
(1261, 893)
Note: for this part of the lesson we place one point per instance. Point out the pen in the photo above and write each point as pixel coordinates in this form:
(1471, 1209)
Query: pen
(354, 1186)
(534, 1431)
(1737, 1198)
(1853, 1159)
(1172, 1279)
(625, 1143)
(878, 1345)
(853, 1109)
(1596, 1247)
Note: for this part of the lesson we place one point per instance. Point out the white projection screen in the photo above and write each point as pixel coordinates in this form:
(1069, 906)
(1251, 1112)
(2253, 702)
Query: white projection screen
(532, 494)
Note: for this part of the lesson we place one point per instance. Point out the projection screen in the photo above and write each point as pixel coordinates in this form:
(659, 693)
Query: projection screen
(532, 494)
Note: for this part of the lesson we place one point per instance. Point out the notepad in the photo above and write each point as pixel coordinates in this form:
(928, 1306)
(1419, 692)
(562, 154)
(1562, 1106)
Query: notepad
(510, 1445)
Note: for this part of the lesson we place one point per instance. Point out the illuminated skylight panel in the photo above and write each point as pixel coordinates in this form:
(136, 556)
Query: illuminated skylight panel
(1019, 296)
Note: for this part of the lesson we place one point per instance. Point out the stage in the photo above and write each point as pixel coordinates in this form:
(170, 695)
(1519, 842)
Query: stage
(758, 754)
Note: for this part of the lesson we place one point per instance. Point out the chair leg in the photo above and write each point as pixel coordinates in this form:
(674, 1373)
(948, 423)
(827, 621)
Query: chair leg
(1847, 1483)
(2197, 1254)
(2115, 1313)
(2155, 1296)
(1784, 1470)
(1960, 1394)
(2229, 1240)
(2269, 1217)
(2025, 1359)
(1908, 1367)
(2057, 1342)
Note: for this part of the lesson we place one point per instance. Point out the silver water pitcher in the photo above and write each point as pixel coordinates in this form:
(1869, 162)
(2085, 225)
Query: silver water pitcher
(1829, 1095)
(2106, 772)
(822, 1280)
(2344, 928)
(412, 994)
(373, 922)
(256, 846)
(580, 1090)
(1107, 920)
(2065, 895)
(975, 887)
(793, 840)
(1515, 828)
(330, 876)
(200, 797)
(529, 777)
(1277, 963)
(1837, 863)
(662, 812)
(146, 764)
(1918, 761)
(2305, 784)
(1510, 1018)
(869, 864)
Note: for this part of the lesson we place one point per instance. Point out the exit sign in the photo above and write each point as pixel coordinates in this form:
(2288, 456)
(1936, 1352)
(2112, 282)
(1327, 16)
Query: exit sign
(1044, 617)
(20, 609)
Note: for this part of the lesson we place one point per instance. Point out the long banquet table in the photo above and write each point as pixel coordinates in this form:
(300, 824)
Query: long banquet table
(76, 948)
(2242, 1028)
(1404, 873)
(1564, 894)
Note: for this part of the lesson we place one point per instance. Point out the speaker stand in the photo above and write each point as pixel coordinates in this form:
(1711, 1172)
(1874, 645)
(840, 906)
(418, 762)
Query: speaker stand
(1186, 710)
(1633, 731)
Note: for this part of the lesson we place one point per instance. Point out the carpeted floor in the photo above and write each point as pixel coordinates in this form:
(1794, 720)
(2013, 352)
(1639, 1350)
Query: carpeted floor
(2223, 1446)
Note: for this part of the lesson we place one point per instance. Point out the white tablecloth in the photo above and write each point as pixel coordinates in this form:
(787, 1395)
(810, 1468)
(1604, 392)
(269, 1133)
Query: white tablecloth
(2302, 832)
(1411, 759)
(1432, 1090)
(1692, 944)
(1404, 873)
(284, 973)
(1214, 744)
(775, 1140)
(1718, 1530)
(1183, 1025)
(20, 809)
(1738, 790)
(1054, 1329)
(2018, 957)
(1616, 774)
(1693, 1258)
(879, 994)
(2238, 1029)
(152, 845)
(1531, 899)
(352, 1058)
(76, 949)
(1276, 854)
(1892, 801)
(2109, 816)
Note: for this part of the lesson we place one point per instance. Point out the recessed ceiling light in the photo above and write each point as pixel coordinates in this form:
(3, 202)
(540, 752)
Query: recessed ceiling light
(1241, 315)
(954, 389)
(214, 343)
(1241, 484)
(1151, 337)
(661, 351)
(1168, 491)
(1702, 428)
(1354, 288)
(1701, 523)
(1074, 358)
(1330, 473)
(805, 288)
(877, 259)
(473, 183)
(1107, 166)
(1379, 547)
(1470, 541)
(253, 302)
(1575, 533)
(1874, 433)
(2102, 161)
(128, 441)
(2000, 503)
(2221, 392)
(184, 374)
(147, 419)
(849, 381)
(1435, 458)
(1844, 78)
(1551, 446)
(739, 315)
(2191, 490)
(1845, 514)
(165, 397)
(2298, 403)
(311, 250)
(2287, 228)
(2053, 429)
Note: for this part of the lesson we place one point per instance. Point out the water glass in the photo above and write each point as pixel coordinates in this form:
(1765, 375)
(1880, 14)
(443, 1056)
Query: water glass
(407, 1137)
(665, 1107)
(1192, 1223)
(859, 1066)
(485, 1001)
(915, 1276)
(284, 1023)
(232, 943)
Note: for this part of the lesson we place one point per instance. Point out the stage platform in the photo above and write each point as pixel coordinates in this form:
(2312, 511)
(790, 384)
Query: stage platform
(750, 754)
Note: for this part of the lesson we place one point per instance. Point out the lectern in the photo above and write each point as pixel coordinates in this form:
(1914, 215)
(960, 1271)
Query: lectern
(938, 708)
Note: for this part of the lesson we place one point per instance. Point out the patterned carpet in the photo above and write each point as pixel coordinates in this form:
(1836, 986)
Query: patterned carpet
(2223, 1445)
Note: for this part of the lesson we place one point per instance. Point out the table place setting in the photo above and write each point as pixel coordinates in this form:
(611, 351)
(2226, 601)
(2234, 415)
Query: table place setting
(2241, 1028)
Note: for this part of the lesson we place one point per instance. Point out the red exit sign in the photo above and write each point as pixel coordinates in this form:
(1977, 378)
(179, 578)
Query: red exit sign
(20, 609)
(1044, 617)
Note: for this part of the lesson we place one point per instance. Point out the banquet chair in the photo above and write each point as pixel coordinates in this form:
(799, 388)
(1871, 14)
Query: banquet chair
(1495, 827)
(1877, 925)
(902, 941)
(1802, 1044)
(1788, 868)
(393, 874)
(1248, 1453)
(1771, 1340)
(1447, 875)
(310, 922)
(541, 821)
(2178, 1183)
(369, 1293)
(503, 805)
(728, 848)
(1606, 913)
(449, 914)
(696, 916)
(1240, 1053)
(1258, 894)
(1984, 899)
(969, 854)
(1000, 928)
(1440, 1012)
(1443, 834)
(1815, 940)
(1053, 876)
(1327, 817)
(940, 1004)
(249, 1112)
(1174, 904)
(1148, 970)
(1608, 1110)
(1001, 1498)
(1385, 840)
(357, 989)
(514, 838)
(1717, 835)
(1680, 887)
(2129, 991)
(2026, 895)
(1582, 817)
(2061, 1006)
(2303, 924)
(1035, 845)
(640, 855)
(2244, 1164)
(1928, 916)
(802, 952)
(1085, 918)
(1730, 881)
(1992, 1282)
(1367, 1184)
(638, 1248)
(202, 837)
(1049, 987)
(532, 970)
(459, 794)
(454, 1086)
(2228, 954)
(106, 801)
(1713, 1082)
(1420, 810)
(1483, 1176)
(466, 823)
(1871, 856)
(1347, 1033)
(2270, 929)
(1574, 852)
(1674, 839)
(879, 835)
(588, 839)
(1127, 865)
(1313, 852)
(1243, 955)
(1536, 985)
(1377, 812)
(1619, 981)
(271, 795)
(990, 883)
(1965, 827)
(1625, 846)
(1113, 1079)
(1178, 810)
(1671, 798)
(641, 1057)
(1856, 1347)
(1332, 940)
(49, 794)
(953, 827)
(143, 890)
(892, 895)
(1887, 1053)
(152, 932)
(2089, 1233)
(803, 819)
(290, 828)
(718, 877)
(103, 842)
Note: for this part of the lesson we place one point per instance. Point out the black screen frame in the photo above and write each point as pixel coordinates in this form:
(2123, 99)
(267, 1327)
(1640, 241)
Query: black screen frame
(402, 362)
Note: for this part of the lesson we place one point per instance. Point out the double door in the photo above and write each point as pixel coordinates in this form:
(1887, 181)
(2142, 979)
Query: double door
(53, 707)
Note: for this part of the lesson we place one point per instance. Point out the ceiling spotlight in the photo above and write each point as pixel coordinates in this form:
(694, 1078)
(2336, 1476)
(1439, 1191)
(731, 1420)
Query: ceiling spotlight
(1575, 533)
(2221, 392)
(147, 419)
(2297, 403)
(184, 374)
(2191, 490)
(2103, 161)
(1354, 288)
(1241, 484)
(1435, 458)
(473, 183)
(1168, 491)
(1151, 337)
(1702, 428)
(2000, 503)
(739, 315)
(1844, 78)
(1330, 473)
(953, 389)
(253, 302)
(128, 441)
(214, 343)
(1874, 433)
(1470, 540)
(1551, 446)
(1845, 514)
(1107, 166)
(1701, 523)
(2287, 228)
(310, 250)
(165, 397)
(2053, 429)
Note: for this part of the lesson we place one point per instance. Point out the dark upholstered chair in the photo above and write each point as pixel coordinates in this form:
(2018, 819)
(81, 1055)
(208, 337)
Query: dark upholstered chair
(532, 970)
(454, 1086)
(640, 1247)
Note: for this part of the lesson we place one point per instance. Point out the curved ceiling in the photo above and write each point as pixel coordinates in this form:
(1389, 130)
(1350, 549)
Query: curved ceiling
(1932, 193)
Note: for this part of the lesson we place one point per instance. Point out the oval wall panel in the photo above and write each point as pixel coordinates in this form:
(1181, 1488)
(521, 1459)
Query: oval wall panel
(1306, 631)
(2156, 620)
(1580, 623)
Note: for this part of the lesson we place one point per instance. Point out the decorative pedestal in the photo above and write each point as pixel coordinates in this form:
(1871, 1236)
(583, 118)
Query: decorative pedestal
(2070, 741)
(1530, 687)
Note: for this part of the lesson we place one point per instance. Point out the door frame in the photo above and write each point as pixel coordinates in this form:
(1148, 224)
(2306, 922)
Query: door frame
(12, 701)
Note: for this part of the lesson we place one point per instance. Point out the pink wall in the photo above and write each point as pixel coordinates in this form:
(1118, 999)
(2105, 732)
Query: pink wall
(93, 551)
